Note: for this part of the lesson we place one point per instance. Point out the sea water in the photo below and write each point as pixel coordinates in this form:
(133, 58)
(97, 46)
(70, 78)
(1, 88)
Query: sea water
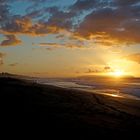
(120, 88)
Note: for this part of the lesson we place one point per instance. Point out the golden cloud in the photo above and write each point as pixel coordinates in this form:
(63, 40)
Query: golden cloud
(10, 41)
(13, 64)
(134, 57)
(26, 26)
(57, 45)
(1, 58)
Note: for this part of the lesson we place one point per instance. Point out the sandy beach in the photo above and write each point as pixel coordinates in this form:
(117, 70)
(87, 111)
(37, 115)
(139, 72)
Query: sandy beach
(25, 102)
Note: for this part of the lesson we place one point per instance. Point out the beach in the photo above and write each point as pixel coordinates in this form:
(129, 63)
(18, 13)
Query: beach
(26, 102)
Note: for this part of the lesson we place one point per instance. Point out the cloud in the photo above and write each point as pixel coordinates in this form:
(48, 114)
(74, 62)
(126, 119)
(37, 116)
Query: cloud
(125, 2)
(18, 25)
(60, 45)
(4, 11)
(83, 5)
(24, 25)
(50, 46)
(1, 58)
(110, 22)
(60, 19)
(55, 45)
(10, 41)
(93, 71)
(134, 57)
(13, 64)
(115, 26)
(107, 68)
(1, 55)
(99, 69)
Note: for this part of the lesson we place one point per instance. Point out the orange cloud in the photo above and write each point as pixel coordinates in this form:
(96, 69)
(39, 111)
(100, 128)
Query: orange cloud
(57, 45)
(134, 57)
(10, 41)
(25, 25)
(13, 64)
(108, 23)
(1, 58)
(93, 71)
(54, 45)
(118, 25)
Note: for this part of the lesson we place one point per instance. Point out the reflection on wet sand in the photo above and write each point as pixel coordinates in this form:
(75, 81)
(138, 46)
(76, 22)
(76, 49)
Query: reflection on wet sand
(116, 93)
(112, 93)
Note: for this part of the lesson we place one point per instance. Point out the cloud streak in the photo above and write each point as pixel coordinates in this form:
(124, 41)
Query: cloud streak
(1, 58)
(10, 41)
(60, 45)
(134, 57)
(13, 64)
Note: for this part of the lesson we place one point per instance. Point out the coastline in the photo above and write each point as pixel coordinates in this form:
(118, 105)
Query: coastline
(55, 107)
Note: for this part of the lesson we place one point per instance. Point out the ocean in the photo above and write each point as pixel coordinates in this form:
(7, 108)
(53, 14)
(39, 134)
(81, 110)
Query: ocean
(114, 87)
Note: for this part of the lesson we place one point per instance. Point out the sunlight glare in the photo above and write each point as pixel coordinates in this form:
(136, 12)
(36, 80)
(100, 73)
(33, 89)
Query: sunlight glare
(118, 73)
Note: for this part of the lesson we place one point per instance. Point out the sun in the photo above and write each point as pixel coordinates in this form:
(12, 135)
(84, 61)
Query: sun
(118, 73)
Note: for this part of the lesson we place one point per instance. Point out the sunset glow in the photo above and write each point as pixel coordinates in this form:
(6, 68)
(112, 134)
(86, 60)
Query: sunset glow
(118, 73)
(71, 64)
(70, 38)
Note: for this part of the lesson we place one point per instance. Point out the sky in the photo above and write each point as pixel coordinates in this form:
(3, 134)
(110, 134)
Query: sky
(64, 38)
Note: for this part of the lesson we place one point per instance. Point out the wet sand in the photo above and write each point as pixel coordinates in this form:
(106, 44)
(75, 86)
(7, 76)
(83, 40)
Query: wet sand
(29, 104)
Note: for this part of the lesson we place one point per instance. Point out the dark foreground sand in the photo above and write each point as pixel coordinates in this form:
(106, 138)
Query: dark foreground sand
(23, 103)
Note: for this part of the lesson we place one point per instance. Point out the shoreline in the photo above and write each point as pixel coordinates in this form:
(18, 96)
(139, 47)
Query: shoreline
(116, 93)
(55, 107)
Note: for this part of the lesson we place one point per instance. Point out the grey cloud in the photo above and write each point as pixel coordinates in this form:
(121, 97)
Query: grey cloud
(4, 12)
(84, 5)
(126, 2)
(121, 25)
